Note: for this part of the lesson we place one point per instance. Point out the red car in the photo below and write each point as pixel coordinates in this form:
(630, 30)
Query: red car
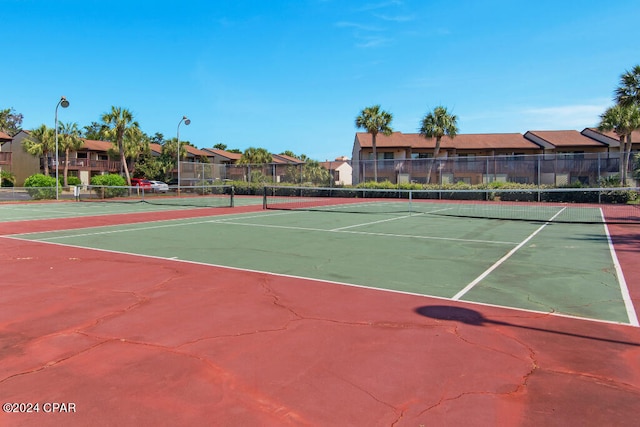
(141, 182)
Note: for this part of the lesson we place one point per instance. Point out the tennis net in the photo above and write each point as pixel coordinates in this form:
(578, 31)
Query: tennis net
(572, 205)
(196, 196)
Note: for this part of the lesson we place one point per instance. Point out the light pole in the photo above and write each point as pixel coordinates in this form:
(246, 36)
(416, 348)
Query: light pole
(63, 101)
(186, 122)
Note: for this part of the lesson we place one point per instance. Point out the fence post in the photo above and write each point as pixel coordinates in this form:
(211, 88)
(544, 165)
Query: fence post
(539, 163)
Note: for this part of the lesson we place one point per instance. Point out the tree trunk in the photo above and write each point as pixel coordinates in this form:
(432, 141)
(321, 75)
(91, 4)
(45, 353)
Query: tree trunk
(375, 157)
(436, 151)
(46, 162)
(66, 166)
(123, 159)
(627, 156)
(621, 157)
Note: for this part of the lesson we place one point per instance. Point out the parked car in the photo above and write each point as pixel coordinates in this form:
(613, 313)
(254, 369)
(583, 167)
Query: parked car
(141, 182)
(159, 186)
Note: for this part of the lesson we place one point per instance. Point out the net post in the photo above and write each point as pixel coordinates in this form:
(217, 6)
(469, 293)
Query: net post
(410, 200)
(264, 197)
(233, 193)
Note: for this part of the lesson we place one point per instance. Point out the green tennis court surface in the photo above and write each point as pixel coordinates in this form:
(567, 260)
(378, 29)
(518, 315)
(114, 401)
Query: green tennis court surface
(34, 211)
(567, 269)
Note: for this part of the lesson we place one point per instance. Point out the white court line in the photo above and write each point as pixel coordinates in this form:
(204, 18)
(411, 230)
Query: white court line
(393, 219)
(322, 281)
(503, 259)
(370, 223)
(131, 229)
(626, 296)
(229, 219)
(366, 233)
(93, 211)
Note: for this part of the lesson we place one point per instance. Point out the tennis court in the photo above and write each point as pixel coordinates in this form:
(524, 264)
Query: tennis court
(559, 268)
(566, 282)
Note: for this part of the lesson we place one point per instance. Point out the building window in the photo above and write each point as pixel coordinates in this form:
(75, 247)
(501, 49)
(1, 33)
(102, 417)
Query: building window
(465, 157)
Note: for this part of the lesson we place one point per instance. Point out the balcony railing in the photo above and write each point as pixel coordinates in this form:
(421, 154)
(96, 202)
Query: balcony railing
(5, 158)
(85, 164)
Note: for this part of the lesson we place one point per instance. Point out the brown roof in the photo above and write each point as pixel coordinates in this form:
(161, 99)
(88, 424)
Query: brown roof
(333, 165)
(156, 148)
(93, 145)
(461, 141)
(288, 159)
(635, 135)
(565, 138)
(195, 151)
(4, 135)
(223, 153)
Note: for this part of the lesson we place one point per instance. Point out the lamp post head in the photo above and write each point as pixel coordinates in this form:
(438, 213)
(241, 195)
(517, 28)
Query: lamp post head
(186, 120)
(63, 102)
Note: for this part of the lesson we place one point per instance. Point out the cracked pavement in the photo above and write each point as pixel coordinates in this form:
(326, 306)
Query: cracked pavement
(164, 342)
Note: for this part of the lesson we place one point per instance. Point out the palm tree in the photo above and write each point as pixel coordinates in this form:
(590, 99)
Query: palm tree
(315, 173)
(627, 95)
(117, 122)
(170, 148)
(69, 141)
(255, 156)
(622, 120)
(437, 124)
(629, 90)
(136, 143)
(39, 143)
(375, 121)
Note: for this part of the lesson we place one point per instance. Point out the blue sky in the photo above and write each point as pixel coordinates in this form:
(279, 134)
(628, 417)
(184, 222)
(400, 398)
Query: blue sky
(293, 75)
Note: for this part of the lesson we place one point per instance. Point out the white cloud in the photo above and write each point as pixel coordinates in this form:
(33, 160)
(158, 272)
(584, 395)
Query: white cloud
(357, 26)
(518, 119)
(566, 116)
(399, 18)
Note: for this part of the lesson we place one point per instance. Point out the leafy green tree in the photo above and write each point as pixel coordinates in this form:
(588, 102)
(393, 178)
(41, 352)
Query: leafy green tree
(117, 123)
(437, 124)
(95, 132)
(315, 173)
(220, 146)
(10, 121)
(375, 121)
(255, 156)
(622, 120)
(628, 92)
(136, 143)
(69, 140)
(157, 138)
(170, 148)
(39, 143)
(149, 166)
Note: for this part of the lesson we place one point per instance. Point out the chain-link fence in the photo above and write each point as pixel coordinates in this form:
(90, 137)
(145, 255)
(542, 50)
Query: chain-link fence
(589, 169)
(273, 173)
